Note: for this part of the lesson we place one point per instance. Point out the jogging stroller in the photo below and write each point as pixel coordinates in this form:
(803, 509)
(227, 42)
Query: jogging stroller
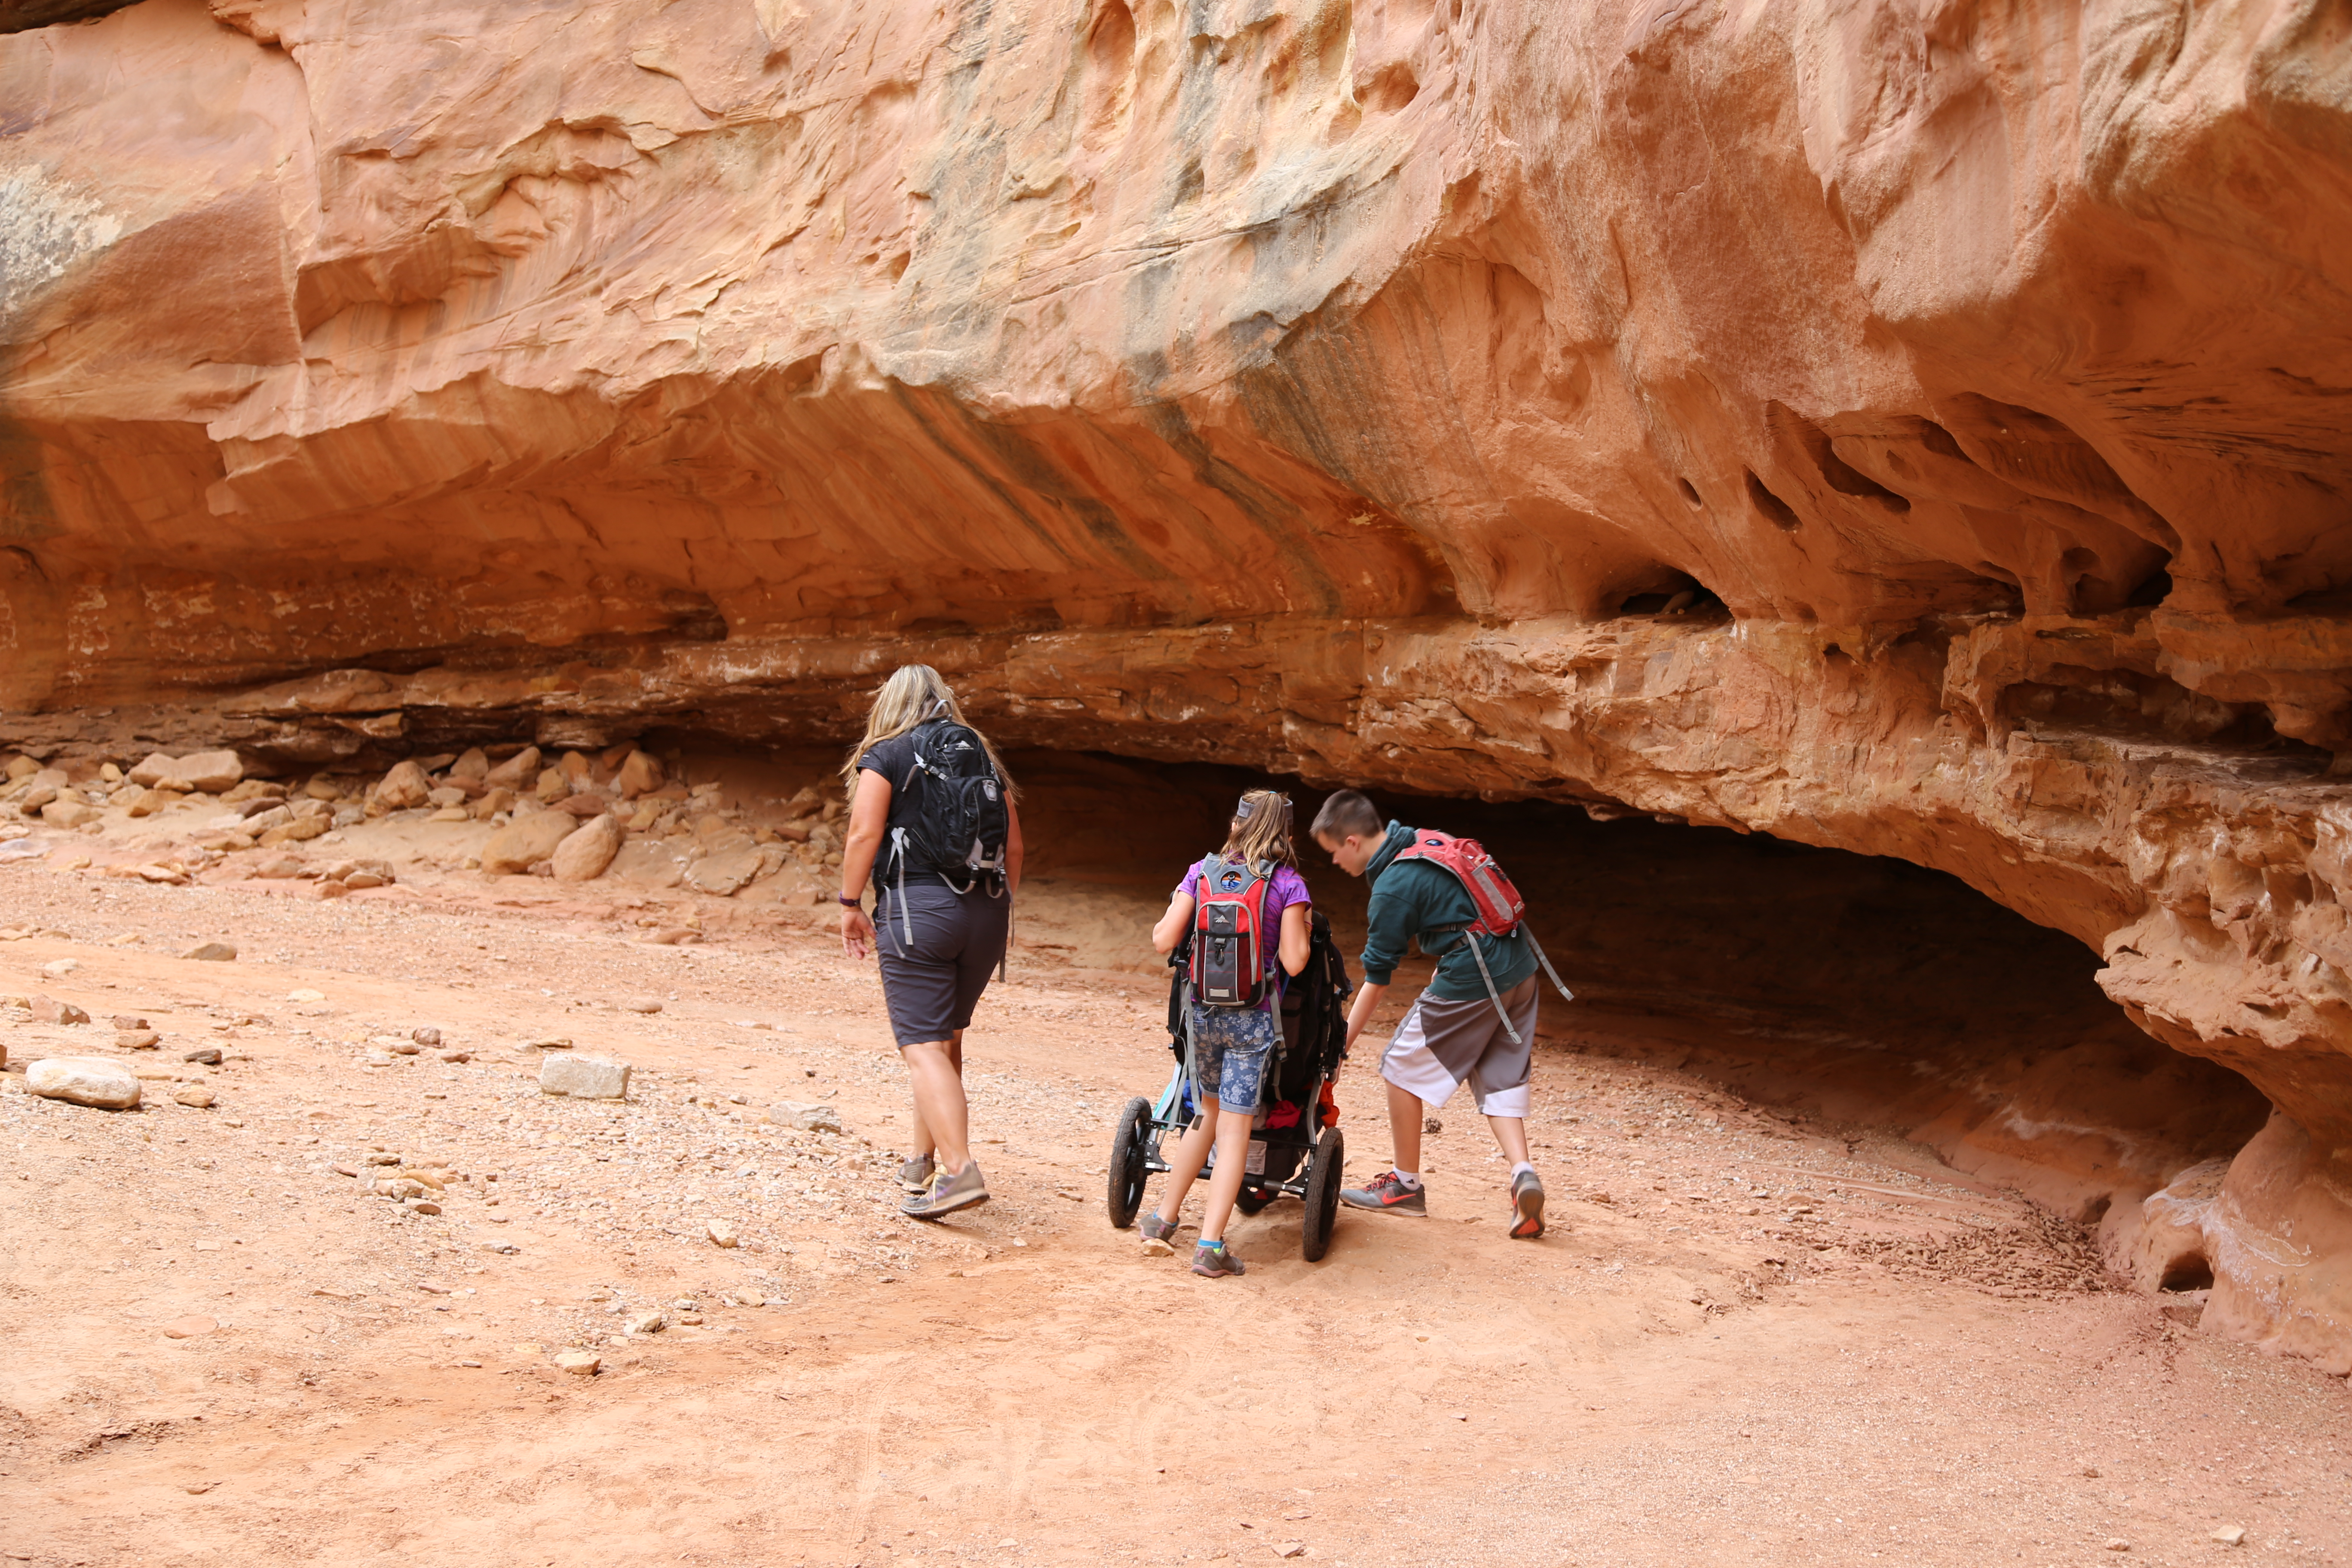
(1296, 1150)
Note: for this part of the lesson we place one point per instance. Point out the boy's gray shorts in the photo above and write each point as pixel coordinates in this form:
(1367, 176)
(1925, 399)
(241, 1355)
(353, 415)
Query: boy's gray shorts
(932, 980)
(1442, 1045)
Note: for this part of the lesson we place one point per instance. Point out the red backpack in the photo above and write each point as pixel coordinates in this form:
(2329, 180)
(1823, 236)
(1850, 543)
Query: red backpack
(1229, 932)
(1501, 909)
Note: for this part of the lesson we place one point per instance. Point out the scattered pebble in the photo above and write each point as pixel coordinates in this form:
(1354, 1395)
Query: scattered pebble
(580, 1364)
(212, 952)
(721, 1232)
(194, 1097)
(2230, 1535)
(188, 1328)
(641, 1005)
(204, 1055)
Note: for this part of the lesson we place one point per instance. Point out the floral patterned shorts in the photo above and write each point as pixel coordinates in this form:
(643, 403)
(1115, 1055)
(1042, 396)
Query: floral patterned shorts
(1232, 1046)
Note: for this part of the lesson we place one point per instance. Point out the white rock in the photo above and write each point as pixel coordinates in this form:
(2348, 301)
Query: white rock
(721, 1232)
(647, 1323)
(84, 1080)
(2230, 1535)
(579, 1363)
(57, 969)
(805, 1118)
(583, 1078)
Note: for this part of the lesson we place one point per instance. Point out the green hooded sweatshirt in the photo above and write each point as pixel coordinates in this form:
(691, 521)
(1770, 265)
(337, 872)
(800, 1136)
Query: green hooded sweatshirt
(1412, 898)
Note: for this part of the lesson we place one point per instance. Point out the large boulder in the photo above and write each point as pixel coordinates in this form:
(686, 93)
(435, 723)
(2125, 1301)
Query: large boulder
(212, 772)
(730, 866)
(84, 1080)
(583, 854)
(525, 842)
(404, 788)
(517, 772)
(641, 773)
(649, 863)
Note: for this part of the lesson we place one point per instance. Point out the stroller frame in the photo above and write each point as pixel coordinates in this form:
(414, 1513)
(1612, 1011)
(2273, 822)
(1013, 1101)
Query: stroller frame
(1304, 1160)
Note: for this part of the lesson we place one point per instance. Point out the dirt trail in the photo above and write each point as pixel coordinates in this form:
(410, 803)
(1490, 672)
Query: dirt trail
(1747, 1338)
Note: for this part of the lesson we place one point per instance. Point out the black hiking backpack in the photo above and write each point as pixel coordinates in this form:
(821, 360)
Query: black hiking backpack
(956, 822)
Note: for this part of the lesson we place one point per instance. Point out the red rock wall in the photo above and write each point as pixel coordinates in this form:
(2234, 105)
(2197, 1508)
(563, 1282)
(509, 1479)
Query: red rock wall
(1310, 382)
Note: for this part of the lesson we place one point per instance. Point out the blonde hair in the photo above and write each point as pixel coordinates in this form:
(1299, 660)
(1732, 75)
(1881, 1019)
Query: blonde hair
(913, 695)
(1264, 833)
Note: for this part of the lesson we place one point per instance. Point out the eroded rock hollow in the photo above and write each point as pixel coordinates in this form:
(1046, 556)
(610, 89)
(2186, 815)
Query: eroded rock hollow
(1913, 428)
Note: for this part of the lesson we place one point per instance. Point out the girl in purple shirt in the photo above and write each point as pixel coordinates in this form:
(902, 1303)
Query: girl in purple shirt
(1232, 1046)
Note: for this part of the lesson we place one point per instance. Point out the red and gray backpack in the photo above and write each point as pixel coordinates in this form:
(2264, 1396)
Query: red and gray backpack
(1501, 909)
(1229, 966)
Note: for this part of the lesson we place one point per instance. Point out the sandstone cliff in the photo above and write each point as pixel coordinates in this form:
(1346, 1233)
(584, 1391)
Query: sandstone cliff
(1917, 427)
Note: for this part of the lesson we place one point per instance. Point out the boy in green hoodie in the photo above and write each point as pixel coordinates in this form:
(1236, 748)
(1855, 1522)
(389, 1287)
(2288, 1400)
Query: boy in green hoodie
(1452, 1033)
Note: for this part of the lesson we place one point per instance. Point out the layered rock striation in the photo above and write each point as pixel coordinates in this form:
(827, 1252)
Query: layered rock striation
(1920, 428)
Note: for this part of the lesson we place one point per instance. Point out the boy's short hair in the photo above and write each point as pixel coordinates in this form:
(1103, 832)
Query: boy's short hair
(1347, 811)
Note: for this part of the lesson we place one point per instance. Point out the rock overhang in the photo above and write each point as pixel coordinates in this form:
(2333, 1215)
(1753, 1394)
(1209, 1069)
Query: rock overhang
(1349, 394)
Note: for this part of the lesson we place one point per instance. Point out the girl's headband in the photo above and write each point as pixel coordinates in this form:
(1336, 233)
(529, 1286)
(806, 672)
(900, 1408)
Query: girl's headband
(1242, 812)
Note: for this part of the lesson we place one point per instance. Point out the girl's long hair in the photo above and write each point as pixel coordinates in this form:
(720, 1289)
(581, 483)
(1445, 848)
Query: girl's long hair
(913, 694)
(1264, 833)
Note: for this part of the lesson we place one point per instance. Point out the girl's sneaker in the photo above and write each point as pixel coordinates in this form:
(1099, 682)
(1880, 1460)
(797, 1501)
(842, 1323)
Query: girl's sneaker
(915, 1173)
(1154, 1228)
(1215, 1260)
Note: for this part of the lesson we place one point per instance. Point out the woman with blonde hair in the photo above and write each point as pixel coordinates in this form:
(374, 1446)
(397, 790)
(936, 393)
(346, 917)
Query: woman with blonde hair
(932, 821)
(1252, 886)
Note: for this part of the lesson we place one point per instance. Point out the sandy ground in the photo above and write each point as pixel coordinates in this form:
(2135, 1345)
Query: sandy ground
(1747, 1338)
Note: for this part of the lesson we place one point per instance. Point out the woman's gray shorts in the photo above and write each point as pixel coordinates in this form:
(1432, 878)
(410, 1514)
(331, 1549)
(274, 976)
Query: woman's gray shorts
(933, 979)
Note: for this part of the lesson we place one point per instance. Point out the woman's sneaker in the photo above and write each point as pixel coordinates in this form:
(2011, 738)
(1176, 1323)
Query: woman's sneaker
(1154, 1228)
(1390, 1195)
(1526, 1207)
(1215, 1260)
(915, 1173)
(948, 1193)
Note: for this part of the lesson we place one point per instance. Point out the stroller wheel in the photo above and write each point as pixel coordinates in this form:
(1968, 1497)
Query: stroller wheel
(1129, 1147)
(1323, 1178)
